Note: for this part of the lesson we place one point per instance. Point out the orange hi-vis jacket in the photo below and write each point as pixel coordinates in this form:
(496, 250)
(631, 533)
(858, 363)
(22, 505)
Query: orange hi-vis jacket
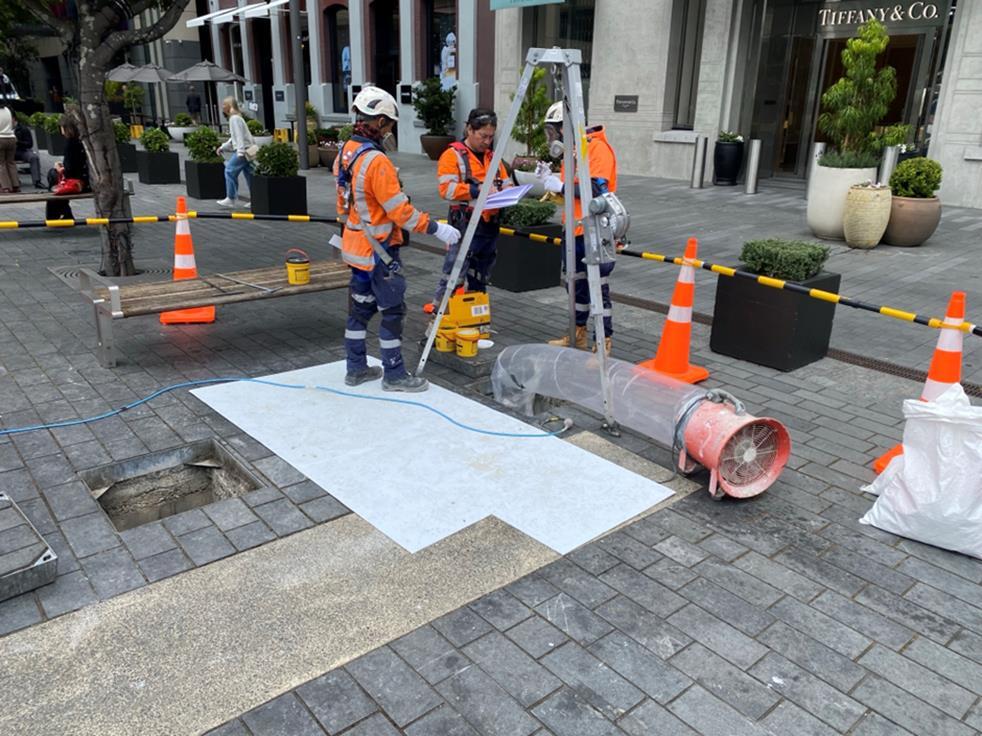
(603, 165)
(376, 207)
(452, 171)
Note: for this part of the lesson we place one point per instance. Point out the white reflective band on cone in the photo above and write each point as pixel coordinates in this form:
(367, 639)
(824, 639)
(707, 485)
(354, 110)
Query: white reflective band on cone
(687, 275)
(184, 261)
(183, 227)
(679, 314)
(950, 340)
(933, 389)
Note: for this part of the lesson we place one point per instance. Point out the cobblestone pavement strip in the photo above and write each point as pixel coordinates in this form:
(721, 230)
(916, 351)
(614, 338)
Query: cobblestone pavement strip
(778, 615)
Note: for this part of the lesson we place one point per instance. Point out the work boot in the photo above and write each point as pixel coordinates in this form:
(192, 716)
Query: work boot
(607, 345)
(409, 384)
(369, 374)
(563, 341)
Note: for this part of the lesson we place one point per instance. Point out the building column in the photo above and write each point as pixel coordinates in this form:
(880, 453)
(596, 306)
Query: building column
(956, 132)
(356, 32)
(249, 68)
(467, 88)
(318, 92)
(509, 61)
(409, 127)
(280, 53)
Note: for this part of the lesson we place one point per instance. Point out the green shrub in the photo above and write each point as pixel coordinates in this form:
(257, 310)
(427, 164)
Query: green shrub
(183, 120)
(121, 131)
(728, 136)
(155, 140)
(916, 177)
(201, 144)
(892, 135)
(113, 91)
(791, 260)
(52, 123)
(277, 159)
(434, 106)
(345, 132)
(326, 136)
(530, 128)
(849, 160)
(37, 120)
(256, 128)
(527, 213)
(133, 96)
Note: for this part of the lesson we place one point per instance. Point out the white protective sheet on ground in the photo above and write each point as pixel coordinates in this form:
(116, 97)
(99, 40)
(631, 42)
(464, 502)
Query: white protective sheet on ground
(418, 478)
(933, 491)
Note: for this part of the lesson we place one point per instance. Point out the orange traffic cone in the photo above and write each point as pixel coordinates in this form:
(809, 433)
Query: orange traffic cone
(672, 357)
(945, 370)
(185, 268)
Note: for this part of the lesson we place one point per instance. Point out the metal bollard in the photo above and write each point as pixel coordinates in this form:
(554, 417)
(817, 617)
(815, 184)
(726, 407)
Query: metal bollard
(699, 162)
(753, 164)
(889, 163)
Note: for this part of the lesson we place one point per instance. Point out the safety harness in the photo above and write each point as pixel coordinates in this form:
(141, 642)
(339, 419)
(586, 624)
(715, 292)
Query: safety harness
(344, 183)
(461, 213)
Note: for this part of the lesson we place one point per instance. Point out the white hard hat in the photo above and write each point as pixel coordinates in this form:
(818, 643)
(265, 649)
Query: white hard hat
(373, 101)
(555, 113)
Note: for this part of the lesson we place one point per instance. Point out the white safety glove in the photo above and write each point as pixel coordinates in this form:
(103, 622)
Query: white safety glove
(553, 183)
(447, 233)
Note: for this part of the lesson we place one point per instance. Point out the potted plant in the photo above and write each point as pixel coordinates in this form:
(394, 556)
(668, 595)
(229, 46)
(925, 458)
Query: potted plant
(157, 164)
(259, 133)
(327, 145)
(183, 124)
(434, 106)
(727, 158)
(530, 130)
(915, 211)
(851, 108)
(133, 99)
(127, 151)
(775, 327)
(114, 96)
(523, 264)
(313, 123)
(53, 136)
(276, 187)
(866, 214)
(204, 170)
(40, 134)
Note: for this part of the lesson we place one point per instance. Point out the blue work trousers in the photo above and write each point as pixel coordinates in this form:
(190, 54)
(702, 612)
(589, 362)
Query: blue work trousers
(378, 290)
(480, 260)
(582, 287)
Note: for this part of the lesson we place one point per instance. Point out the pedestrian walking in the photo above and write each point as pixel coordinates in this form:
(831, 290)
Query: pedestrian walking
(239, 143)
(193, 104)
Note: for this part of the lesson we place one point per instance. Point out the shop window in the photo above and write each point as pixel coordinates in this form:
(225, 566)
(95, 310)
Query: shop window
(440, 19)
(339, 43)
(569, 25)
(688, 22)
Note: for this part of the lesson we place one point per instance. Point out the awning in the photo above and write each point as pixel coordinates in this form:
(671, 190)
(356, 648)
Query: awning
(263, 10)
(210, 17)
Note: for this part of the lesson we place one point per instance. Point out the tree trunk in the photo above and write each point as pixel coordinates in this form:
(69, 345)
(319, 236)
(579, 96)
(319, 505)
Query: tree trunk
(105, 171)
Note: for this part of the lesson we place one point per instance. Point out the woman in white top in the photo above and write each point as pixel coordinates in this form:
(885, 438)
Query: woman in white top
(240, 139)
(9, 178)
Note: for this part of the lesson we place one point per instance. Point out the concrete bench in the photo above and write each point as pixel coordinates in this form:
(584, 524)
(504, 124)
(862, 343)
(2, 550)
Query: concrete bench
(112, 301)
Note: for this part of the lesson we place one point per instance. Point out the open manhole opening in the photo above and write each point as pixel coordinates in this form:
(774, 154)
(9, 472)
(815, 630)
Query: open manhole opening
(152, 487)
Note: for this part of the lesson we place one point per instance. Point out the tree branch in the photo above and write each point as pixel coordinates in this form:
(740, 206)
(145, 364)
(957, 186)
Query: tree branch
(124, 39)
(41, 10)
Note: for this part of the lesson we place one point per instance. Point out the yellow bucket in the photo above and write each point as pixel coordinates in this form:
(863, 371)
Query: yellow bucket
(467, 338)
(136, 132)
(445, 342)
(297, 267)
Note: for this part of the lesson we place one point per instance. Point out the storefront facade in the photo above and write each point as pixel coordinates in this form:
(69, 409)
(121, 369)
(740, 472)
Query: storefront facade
(758, 67)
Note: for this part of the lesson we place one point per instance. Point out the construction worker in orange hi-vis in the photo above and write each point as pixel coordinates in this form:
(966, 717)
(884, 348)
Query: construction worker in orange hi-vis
(461, 171)
(603, 177)
(375, 209)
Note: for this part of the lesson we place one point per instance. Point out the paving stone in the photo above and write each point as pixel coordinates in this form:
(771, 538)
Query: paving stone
(725, 681)
(444, 721)
(911, 713)
(825, 573)
(863, 620)
(788, 718)
(232, 728)
(710, 715)
(282, 715)
(537, 636)
(462, 626)
(36, 511)
(67, 593)
(649, 630)
(908, 613)
(501, 609)
(867, 569)
(967, 644)
(648, 531)
(750, 580)
(324, 508)
(70, 500)
(230, 513)
(261, 496)
(593, 558)
(836, 669)
(525, 679)
(945, 662)
(430, 654)
(303, 492)
(90, 534)
(187, 521)
(568, 715)
(485, 705)
(919, 681)
(723, 547)
(18, 613)
(164, 565)
(660, 681)
(532, 590)
(683, 552)
(731, 608)
(946, 605)
(718, 636)
(250, 535)
(678, 525)
(283, 517)
(595, 681)
(873, 724)
(67, 562)
(279, 471)
(867, 547)
(642, 589)
(943, 580)
(51, 470)
(817, 625)
(968, 567)
(336, 700)
(577, 583)
(147, 540)
(205, 545)
(401, 693)
(376, 725)
(629, 550)
(670, 574)
(573, 619)
(112, 572)
(651, 719)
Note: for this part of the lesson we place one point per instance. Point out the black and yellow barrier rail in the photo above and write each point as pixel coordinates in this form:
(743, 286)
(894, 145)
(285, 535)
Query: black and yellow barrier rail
(147, 219)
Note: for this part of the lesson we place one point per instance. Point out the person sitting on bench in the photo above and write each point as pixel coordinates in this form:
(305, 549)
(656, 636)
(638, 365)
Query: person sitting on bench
(71, 176)
(26, 153)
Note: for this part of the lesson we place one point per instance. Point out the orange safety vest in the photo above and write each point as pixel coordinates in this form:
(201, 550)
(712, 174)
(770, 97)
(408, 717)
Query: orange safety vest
(458, 164)
(603, 165)
(376, 207)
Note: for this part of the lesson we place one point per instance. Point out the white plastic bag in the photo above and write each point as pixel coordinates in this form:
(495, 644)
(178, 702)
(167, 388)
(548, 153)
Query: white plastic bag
(933, 491)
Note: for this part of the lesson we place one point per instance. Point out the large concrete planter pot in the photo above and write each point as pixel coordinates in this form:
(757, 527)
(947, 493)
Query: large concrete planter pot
(827, 192)
(866, 215)
(279, 195)
(56, 144)
(127, 157)
(327, 154)
(727, 161)
(262, 140)
(205, 180)
(313, 158)
(435, 145)
(525, 265)
(529, 177)
(161, 167)
(912, 220)
(177, 132)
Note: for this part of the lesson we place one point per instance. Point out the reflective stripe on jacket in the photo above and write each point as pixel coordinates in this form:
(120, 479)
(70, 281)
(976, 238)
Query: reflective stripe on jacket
(453, 170)
(603, 165)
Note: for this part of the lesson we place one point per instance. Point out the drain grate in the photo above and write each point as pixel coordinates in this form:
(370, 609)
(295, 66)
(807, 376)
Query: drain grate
(151, 272)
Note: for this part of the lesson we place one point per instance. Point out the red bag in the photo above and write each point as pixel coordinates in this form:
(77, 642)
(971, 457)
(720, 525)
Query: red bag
(68, 186)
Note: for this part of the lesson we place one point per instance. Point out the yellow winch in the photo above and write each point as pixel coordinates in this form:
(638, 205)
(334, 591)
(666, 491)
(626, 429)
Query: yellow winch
(469, 309)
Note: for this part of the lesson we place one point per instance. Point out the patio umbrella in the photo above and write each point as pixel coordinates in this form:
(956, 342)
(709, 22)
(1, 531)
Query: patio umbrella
(121, 73)
(207, 71)
(149, 73)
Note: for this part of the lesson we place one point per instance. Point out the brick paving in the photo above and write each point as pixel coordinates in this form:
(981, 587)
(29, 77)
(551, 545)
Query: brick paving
(778, 615)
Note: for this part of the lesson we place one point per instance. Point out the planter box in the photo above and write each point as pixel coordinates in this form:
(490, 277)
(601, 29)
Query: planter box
(56, 144)
(177, 132)
(127, 157)
(727, 162)
(435, 145)
(524, 265)
(279, 195)
(827, 190)
(205, 181)
(327, 156)
(529, 177)
(158, 168)
(772, 327)
(41, 138)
